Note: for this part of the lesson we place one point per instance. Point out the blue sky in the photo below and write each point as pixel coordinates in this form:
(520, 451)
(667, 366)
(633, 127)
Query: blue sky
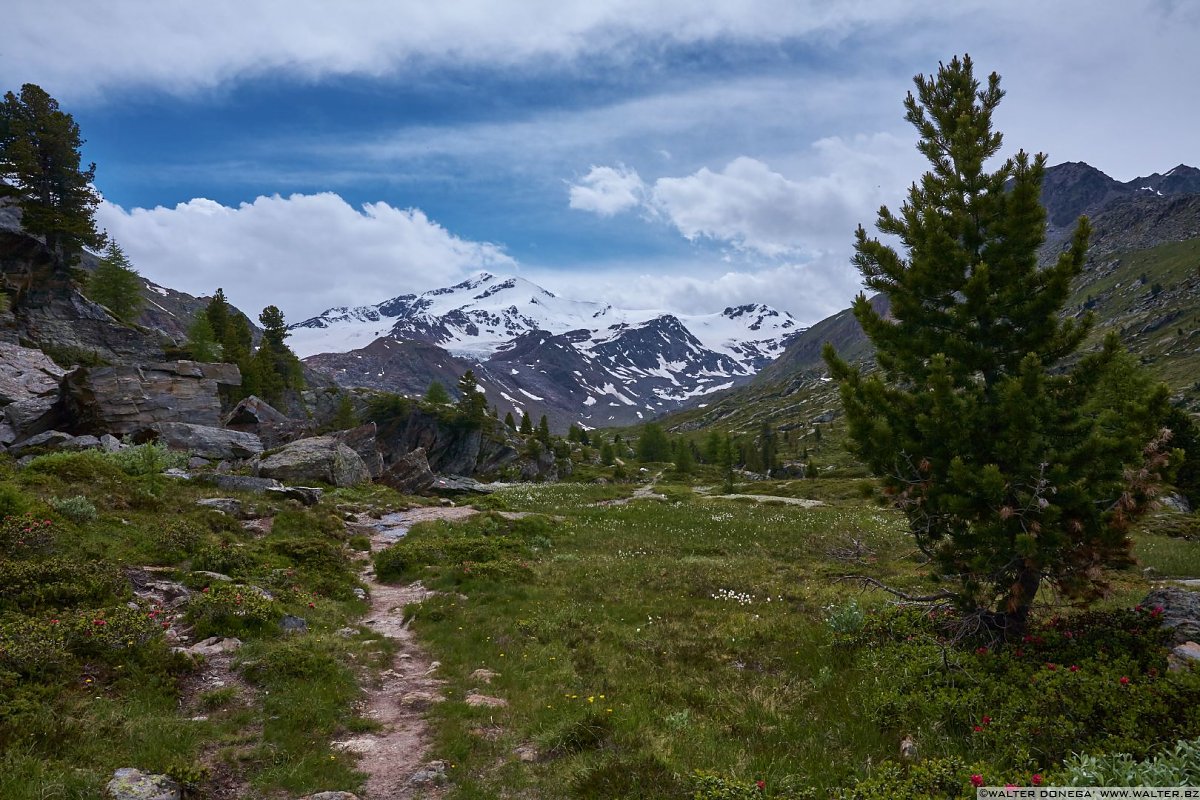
(684, 156)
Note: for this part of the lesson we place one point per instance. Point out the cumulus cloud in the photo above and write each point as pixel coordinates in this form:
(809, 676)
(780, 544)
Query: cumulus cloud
(303, 253)
(750, 206)
(607, 190)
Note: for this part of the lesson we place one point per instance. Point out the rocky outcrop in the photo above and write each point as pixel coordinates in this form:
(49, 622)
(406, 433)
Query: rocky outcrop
(273, 427)
(1180, 612)
(319, 458)
(457, 448)
(131, 400)
(410, 474)
(215, 444)
(362, 441)
(132, 784)
(27, 373)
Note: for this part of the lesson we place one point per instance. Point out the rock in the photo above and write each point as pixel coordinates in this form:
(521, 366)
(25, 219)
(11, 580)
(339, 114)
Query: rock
(214, 646)
(484, 675)
(254, 415)
(410, 474)
(226, 505)
(330, 796)
(1176, 502)
(348, 632)
(239, 483)
(457, 484)
(823, 417)
(420, 699)
(32, 415)
(306, 495)
(133, 784)
(1184, 656)
(482, 700)
(213, 576)
(158, 592)
(214, 444)
(292, 624)
(49, 440)
(362, 441)
(526, 753)
(1180, 612)
(432, 773)
(319, 458)
(196, 462)
(111, 444)
(131, 400)
(26, 373)
(85, 442)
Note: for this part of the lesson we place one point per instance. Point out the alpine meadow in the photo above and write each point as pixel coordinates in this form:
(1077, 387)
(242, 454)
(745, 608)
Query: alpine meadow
(339, 463)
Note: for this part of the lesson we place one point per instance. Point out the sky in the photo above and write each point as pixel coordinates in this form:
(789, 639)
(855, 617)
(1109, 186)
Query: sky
(683, 156)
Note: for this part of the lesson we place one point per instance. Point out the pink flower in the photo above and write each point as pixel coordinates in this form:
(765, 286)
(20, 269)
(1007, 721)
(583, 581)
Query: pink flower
(99, 622)
(1124, 680)
(1036, 780)
(760, 785)
(977, 779)
(986, 720)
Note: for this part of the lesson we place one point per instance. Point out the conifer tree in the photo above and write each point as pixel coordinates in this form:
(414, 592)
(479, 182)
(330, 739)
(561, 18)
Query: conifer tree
(115, 284)
(607, 454)
(275, 365)
(509, 422)
(653, 444)
(345, 418)
(543, 431)
(471, 401)
(685, 459)
(217, 312)
(437, 394)
(526, 424)
(40, 160)
(1010, 469)
(201, 343)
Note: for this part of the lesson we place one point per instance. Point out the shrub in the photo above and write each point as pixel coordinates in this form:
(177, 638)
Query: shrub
(1177, 766)
(85, 467)
(78, 509)
(845, 619)
(58, 582)
(13, 502)
(151, 458)
(224, 558)
(226, 609)
(176, 539)
(26, 535)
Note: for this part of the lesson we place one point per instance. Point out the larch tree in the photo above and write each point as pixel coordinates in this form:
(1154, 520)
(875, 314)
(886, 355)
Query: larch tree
(40, 168)
(115, 284)
(982, 422)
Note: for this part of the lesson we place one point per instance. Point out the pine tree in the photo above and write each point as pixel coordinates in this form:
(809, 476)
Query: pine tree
(217, 312)
(653, 444)
(115, 284)
(607, 454)
(543, 431)
(39, 158)
(1010, 471)
(471, 401)
(685, 459)
(526, 424)
(712, 447)
(345, 418)
(509, 422)
(276, 365)
(437, 395)
(769, 447)
(201, 343)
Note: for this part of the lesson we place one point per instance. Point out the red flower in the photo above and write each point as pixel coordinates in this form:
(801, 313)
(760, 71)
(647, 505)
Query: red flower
(982, 651)
(760, 785)
(205, 589)
(986, 720)
(1036, 780)
(1124, 680)
(1074, 668)
(312, 605)
(99, 622)
(1068, 634)
(1152, 672)
(1051, 667)
(978, 728)
(977, 779)
(53, 622)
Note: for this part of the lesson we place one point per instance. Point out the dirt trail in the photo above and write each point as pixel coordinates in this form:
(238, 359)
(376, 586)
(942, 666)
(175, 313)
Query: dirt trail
(395, 757)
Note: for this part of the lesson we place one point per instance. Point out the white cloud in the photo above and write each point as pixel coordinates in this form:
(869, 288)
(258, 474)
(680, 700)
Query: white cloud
(303, 253)
(751, 206)
(607, 190)
(85, 48)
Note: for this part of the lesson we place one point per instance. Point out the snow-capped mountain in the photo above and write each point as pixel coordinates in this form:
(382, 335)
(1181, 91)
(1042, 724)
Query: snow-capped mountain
(574, 360)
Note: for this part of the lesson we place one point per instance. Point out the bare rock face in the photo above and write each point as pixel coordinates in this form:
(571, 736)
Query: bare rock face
(410, 474)
(362, 441)
(319, 458)
(26, 373)
(273, 427)
(131, 399)
(1180, 612)
(216, 444)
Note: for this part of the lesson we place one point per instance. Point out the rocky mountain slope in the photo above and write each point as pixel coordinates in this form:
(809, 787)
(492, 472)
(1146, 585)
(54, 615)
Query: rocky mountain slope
(1142, 278)
(575, 361)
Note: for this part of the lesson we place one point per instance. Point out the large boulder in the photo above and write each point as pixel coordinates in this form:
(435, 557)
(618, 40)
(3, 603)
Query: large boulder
(30, 416)
(362, 441)
(133, 399)
(27, 373)
(216, 444)
(410, 474)
(318, 458)
(273, 427)
(1180, 612)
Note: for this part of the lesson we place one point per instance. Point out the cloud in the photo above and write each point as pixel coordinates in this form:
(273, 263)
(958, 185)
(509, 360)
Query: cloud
(607, 191)
(750, 206)
(86, 48)
(303, 253)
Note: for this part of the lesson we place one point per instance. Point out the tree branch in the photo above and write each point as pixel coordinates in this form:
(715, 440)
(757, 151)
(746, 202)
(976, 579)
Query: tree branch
(866, 580)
